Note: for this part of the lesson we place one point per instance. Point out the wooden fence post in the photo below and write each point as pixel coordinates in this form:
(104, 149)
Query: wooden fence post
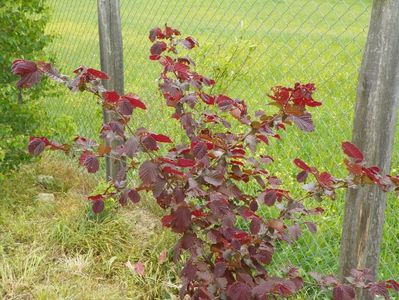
(111, 54)
(373, 132)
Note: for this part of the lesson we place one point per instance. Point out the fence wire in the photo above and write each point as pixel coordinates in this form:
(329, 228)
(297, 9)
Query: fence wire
(248, 47)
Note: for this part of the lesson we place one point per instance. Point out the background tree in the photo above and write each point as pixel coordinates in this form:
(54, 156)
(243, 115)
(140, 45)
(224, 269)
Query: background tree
(22, 34)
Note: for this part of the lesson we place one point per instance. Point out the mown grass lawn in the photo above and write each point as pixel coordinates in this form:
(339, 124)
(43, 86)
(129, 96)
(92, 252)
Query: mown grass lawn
(248, 46)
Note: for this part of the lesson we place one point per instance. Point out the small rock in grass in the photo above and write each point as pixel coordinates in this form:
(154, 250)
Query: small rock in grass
(46, 180)
(45, 197)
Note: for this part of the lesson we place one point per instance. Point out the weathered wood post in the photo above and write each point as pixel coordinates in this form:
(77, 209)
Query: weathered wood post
(111, 54)
(373, 132)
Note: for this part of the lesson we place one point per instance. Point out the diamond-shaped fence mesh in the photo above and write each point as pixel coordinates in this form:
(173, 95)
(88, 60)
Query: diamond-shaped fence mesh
(248, 47)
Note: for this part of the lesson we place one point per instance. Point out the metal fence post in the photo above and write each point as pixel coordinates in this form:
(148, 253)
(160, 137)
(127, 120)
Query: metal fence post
(373, 132)
(111, 54)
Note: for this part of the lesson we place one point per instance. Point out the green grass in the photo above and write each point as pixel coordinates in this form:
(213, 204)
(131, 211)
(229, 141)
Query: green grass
(248, 47)
(58, 250)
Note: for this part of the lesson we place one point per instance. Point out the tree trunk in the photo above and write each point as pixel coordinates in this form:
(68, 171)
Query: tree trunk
(111, 53)
(373, 132)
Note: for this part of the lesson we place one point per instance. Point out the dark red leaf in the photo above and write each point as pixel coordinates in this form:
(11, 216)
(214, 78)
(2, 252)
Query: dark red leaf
(167, 220)
(393, 284)
(255, 225)
(343, 292)
(189, 271)
(189, 42)
(134, 196)
(155, 33)
(302, 165)
(216, 179)
(263, 138)
(219, 269)
(51, 72)
(224, 102)
(37, 145)
(131, 146)
(155, 57)
(208, 99)
(378, 289)
(220, 207)
(90, 161)
(149, 143)
(158, 48)
(97, 197)
(97, 74)
(161, 138)
(184, 163)
(311, 226)
(275, 224)
(198, 213)
(139, 268)
(123, 198)
(111, 96)
(270, 197)
(253, 205)
(199, 149)
(325, 179)
(30, 75)
(23, 67)
(266, 159)
(239, 291)
(29, 80)
(98, 206)
(251, 142)
(301, 177)
(148, 172)
(352, 151)
(303, 122)
(171, 170)
(295, 231)
(124, 107)
(181, 219)
(169, 31)
(135, 101)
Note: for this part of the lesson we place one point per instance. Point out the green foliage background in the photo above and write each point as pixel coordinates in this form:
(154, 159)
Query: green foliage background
(22, 113)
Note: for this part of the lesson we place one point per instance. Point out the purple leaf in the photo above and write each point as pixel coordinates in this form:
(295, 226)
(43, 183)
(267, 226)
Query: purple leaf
(30, 75)
(98, 206)
(90, 161)
(199, 149)
(155, 33)
(158, 48)
(343, 292)
(219, 269)
(134, 196)
(303, 122)
(379, 289)
(270, 197)
(251, 142)
(124, 107)
(352, 151)
(36, 146)
(311, 226)
(239, 291)
(149, 143)
(301, 177)
(131, 146)
(216, 179)
(148, 172)
(295, 231)
(255, 226)
(181, 219)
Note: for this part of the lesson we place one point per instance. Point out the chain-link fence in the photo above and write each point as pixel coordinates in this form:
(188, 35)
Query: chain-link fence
(248, 47)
